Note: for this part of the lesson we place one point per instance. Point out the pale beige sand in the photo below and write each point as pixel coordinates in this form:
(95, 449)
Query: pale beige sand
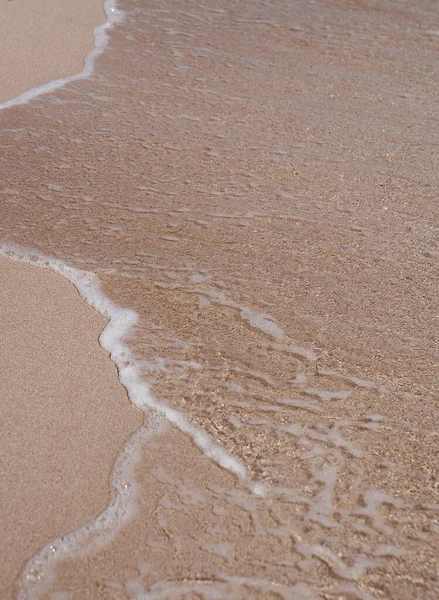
(64, 415)
(42, 41)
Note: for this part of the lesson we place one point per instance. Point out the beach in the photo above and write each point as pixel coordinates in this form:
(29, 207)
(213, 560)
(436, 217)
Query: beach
(43, 41)
(65, 417)
(258, 183)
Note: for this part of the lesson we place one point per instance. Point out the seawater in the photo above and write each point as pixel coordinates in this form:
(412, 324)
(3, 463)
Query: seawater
(178, 183)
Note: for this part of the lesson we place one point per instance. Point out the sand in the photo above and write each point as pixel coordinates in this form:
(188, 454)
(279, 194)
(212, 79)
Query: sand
(258, 181)
(43, 41)
(64, 415)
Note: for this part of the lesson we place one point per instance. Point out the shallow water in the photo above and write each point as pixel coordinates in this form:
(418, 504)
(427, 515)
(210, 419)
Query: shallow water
(256, 181)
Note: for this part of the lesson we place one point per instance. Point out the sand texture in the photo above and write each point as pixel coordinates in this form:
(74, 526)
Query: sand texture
(258, 180)
(44, 40)
(65, 416)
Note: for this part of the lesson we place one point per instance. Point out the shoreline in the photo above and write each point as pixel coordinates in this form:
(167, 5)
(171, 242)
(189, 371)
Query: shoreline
(52, 44)
(282, 317)
(45, 467)
(43, 405)
(100, 38)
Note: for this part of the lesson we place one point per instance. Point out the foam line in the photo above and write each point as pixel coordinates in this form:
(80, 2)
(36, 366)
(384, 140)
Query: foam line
(38, 572)
(39, 569)
(101, 37)
(119, 327)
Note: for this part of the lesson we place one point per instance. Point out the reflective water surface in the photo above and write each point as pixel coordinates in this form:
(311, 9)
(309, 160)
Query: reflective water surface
(257, 181)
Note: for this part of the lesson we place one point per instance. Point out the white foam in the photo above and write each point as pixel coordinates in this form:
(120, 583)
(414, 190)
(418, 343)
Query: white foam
(372, 500)
(121, 322)
(359, 567)
(101, 37)
(37, 572)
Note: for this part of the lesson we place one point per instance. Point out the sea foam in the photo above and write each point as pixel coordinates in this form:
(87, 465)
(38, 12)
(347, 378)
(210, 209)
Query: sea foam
(120, 326)
(37, 572)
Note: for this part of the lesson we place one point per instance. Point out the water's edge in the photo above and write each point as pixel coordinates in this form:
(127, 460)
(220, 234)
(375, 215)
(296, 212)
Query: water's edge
(100, 34)
(38, 571)
(270, 232)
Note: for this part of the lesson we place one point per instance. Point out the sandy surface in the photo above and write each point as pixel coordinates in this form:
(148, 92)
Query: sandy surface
(260, 185)
(42, 41)
(64, 416)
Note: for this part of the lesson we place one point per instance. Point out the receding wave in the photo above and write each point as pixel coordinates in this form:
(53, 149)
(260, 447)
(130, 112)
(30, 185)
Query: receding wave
(222, 171)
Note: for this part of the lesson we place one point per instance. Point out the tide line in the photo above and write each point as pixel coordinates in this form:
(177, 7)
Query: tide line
(120, 325)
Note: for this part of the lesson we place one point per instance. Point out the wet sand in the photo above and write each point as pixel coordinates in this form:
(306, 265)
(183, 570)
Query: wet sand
(64, 415)
(260, 186)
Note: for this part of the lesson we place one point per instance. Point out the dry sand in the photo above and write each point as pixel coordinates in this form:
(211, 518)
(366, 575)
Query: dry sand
(64, 415)
(43, 41)
(64, 418)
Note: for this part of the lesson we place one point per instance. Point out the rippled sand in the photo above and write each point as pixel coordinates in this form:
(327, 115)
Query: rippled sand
(259, 182)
